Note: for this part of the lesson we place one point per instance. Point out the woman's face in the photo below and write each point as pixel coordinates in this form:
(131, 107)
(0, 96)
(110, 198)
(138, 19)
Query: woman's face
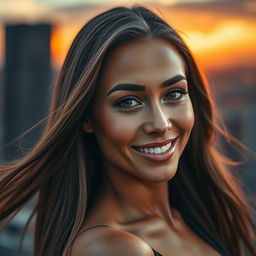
(142, 115)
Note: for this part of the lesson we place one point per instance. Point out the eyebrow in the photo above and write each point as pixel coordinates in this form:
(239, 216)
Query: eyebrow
(140, 87)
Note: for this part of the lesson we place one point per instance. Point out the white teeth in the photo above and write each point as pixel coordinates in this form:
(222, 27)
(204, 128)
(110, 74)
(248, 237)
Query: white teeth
(156, 150)
(163, 148)
(168, 146)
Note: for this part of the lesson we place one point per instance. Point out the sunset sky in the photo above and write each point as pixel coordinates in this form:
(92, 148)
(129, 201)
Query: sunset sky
(221, 34)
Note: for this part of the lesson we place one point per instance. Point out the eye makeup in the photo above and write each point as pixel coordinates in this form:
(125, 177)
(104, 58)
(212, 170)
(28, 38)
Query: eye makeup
(179, 93)
(129, 102)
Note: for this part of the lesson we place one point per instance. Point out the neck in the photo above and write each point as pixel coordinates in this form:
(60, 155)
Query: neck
(129, 199)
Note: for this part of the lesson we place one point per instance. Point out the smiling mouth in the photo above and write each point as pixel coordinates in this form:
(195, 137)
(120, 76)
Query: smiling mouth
(156, 152)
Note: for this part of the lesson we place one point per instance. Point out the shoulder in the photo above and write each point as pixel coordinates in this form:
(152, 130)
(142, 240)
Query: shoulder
(107, 241)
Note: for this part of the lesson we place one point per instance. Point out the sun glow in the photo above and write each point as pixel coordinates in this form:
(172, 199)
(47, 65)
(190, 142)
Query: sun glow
(228, 43)
(61, 40)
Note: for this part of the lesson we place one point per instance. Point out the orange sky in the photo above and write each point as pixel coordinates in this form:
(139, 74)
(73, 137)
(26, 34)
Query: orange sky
(219, 36)
(230, 43)
(217, 40)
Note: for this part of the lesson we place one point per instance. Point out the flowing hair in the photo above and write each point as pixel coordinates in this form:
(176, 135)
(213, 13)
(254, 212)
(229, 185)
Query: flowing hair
(63, 171)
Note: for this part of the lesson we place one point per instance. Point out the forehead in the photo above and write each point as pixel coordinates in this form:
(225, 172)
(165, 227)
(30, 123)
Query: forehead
(154, 60)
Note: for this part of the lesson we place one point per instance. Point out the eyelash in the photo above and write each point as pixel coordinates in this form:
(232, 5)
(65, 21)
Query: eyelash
(181, 91)
(132, 98)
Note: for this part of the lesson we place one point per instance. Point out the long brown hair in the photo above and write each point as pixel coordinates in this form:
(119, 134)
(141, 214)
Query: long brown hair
(63, 166)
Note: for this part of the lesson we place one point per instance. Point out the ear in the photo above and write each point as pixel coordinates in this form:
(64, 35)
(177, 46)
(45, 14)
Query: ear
(87, 125)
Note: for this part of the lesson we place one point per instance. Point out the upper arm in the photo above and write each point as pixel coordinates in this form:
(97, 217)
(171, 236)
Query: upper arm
(110, 242)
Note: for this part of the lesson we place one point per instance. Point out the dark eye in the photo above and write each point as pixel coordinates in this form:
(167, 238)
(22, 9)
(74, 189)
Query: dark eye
(175, 95)
(128, 102)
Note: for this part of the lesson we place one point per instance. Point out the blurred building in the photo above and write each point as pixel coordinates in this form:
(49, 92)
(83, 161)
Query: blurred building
(25, 87)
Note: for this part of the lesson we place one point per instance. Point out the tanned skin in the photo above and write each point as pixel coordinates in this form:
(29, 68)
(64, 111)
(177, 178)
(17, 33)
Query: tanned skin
(135, 202)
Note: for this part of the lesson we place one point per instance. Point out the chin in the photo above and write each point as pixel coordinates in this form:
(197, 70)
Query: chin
(162, 175)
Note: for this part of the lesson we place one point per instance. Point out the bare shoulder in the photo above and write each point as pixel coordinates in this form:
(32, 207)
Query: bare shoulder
(107, 241)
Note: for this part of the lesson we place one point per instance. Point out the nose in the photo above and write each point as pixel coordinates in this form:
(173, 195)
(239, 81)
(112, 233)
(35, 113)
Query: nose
(158, 121)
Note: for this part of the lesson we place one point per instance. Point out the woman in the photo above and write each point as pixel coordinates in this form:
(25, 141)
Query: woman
(127, 164)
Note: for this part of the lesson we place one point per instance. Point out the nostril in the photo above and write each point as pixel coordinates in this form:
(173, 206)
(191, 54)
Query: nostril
(151, 128)
(158, 121)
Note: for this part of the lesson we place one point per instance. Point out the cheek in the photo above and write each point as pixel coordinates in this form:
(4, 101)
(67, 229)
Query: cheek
(184, 118)
(114, 128)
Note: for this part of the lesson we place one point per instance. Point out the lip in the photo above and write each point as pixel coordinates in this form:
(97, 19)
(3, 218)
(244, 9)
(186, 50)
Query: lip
(155, 144)
(157, 157)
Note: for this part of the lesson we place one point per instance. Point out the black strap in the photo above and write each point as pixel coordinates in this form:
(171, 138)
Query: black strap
(200, 231)
(156, 253)
(102, 225)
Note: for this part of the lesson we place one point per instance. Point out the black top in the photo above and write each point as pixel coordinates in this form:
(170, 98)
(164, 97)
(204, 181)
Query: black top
(198, 230)
(203, 234)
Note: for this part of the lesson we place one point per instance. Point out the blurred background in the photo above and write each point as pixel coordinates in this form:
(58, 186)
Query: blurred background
(34, 39)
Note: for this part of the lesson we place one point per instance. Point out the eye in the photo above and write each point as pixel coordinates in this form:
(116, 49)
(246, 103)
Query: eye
(127, 102)
(175, 95)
